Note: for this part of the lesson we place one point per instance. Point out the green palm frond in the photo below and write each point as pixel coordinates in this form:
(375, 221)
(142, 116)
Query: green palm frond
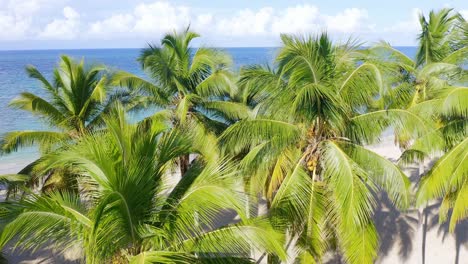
(217, 84)
(40, 220)
(138, 84)
(13, 178)
(350, 185)
(369, 126)
(229, 110)
(237, 240)
(11, 141)
(360, 245)
(247, 133)
(381, 172)
(436, 37)
(448, 172)
(447, 180)
(362, 85)
(40, 107)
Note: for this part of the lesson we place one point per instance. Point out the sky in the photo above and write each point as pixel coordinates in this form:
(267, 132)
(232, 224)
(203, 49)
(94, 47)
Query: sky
(65, 24)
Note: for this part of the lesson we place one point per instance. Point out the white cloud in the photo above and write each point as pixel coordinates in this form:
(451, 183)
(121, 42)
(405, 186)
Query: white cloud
(63, 28)
(120, 23)
(149, 20)
(408, 26)
(24, 8)
(203, 20)
(350, 20)
(145, 20)
(246, 23)
(15, 18)
(298, 19)
(159, 17)
(12, 28)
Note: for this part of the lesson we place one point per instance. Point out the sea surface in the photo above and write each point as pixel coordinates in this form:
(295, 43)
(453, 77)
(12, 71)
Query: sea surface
(14, 80)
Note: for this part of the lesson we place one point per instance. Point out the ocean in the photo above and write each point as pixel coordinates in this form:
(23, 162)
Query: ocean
(14, 80)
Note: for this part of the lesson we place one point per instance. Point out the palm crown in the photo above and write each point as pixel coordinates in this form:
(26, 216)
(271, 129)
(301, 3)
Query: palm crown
(74, 102)
(128, 208)
(440, 95)
(186, 79)
(305, 145)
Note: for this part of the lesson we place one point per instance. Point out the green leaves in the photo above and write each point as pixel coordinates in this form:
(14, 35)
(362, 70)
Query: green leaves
(236, 240)
(40, 107)
(362, 85)
(247, 133)
(382, 172)
(447, 175)
(437, 35)
(39, 220)
(11, 141)
(319, 179)
(130, 200)
(291, 135)
(350, 185)
(368, 127)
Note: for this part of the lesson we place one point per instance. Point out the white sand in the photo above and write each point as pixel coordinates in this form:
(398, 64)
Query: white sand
(401, 234)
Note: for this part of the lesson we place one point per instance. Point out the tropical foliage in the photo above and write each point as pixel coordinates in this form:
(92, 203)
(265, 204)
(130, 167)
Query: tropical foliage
(73, 104)
(126, 208)
(435, 88)
(293, 135)
(304, 148)
(447, 179)
(190, 84)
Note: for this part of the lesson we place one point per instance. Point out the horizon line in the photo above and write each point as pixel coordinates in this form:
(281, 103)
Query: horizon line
(227, 47)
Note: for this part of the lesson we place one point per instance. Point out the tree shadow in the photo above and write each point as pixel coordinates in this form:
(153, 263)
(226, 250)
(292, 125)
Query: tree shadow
(46, 255)
(460, 234)
(395, 228)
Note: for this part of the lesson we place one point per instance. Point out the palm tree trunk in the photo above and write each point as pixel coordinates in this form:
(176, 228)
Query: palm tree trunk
(184, 163)
(271, 258)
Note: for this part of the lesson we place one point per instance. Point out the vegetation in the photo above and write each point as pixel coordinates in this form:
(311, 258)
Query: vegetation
(126, 206)
(74, 103)
(292, 135)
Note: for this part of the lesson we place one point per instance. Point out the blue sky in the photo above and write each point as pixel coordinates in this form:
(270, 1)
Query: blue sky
(52, 24)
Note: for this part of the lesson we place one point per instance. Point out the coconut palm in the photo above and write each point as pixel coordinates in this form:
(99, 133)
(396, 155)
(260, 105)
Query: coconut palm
(438, 62)
(447, 179)
(439, 36)
(73, 104)
(306, 147)
(437, 65)
(433, 86)
(191, 83)
(131, 209)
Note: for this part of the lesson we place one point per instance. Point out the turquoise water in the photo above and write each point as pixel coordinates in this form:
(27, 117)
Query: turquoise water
(13, 78)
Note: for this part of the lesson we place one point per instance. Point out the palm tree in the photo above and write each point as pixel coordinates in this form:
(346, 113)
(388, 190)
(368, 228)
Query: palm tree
(439, 36)
(73, 104)
(129, 210)
(447, 179)
(191, 83)
(433, 86)
(305, 146)
(438, 61)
